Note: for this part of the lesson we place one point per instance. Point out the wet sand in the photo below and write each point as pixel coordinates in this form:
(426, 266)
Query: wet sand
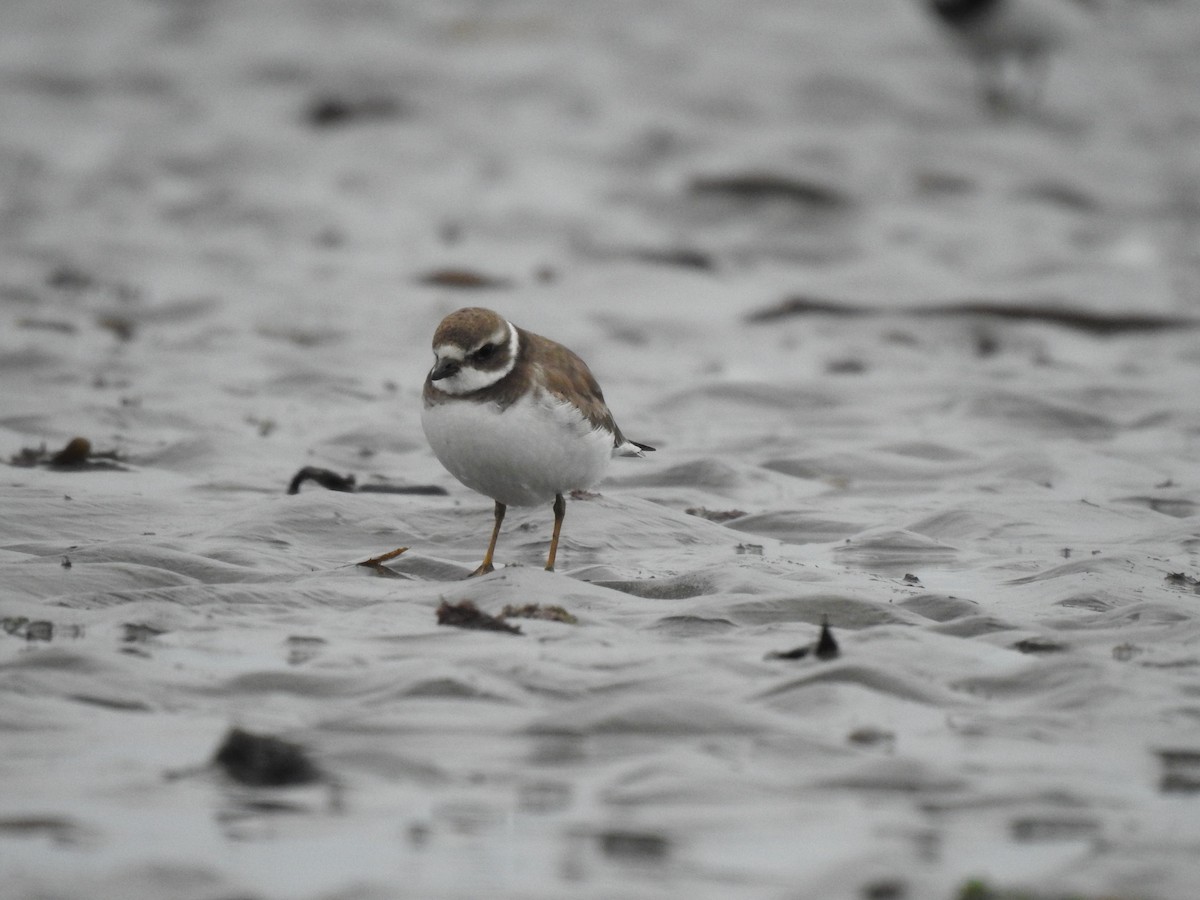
(924, 374)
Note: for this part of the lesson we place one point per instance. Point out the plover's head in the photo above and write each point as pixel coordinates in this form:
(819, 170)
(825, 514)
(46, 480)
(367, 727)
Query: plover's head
(473, 348)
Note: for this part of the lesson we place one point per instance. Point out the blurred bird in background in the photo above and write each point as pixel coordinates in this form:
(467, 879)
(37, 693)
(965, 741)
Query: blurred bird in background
(1011, 43)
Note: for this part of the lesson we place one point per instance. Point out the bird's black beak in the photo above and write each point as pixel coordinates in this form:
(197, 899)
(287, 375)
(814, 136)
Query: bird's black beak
(444, 368)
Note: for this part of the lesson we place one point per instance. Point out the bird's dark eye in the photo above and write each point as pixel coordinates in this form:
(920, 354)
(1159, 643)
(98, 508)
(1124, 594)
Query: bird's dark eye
(486, 352)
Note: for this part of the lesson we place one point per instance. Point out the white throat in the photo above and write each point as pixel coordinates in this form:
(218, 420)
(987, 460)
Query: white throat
(469, 379)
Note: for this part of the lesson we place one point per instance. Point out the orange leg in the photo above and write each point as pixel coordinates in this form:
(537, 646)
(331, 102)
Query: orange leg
(560, 511)
(486, 565)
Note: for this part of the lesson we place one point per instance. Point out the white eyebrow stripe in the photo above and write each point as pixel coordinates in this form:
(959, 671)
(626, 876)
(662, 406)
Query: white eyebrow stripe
(469, 379)
(514, 344)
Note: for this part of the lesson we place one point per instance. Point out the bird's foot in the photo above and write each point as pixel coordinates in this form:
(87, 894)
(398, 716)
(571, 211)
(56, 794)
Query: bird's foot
(483, 569)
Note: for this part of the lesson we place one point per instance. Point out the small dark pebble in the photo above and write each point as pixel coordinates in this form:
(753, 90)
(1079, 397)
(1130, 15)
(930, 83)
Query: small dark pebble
(330, 111)
(1039, 645)
(987, 344)
(261, 760)
(869, 736)
(634, 845)
(910, 578)
(467, 615)
(1125, 652)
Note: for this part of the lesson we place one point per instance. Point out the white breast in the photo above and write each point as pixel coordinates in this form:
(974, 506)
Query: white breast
(521, 456)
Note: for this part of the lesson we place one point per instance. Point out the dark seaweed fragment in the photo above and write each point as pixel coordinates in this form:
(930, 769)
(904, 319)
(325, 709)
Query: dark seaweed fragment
(467, 615)
(262, 760)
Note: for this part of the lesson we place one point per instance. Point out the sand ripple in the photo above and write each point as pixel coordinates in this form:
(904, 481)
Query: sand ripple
(923, 375)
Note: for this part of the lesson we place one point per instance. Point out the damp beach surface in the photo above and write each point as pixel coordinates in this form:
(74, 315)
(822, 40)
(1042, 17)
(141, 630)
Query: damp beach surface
(919, 373)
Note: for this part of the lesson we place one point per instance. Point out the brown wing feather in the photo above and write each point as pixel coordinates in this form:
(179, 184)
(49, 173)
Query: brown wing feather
(567, 377)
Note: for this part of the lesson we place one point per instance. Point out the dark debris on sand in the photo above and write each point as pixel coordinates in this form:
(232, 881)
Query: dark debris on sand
(1049, 311)
(326, 478)
(139, 633)
(760, 187)
(332, 481)
(551, 613)
(646, 846)
(464, 279)
(76, 456)
(30, 630)
(976, 889)
(1179, 579)
(261, 760)
(377, 562)
(1039, 645)
(715, 515)
(826, 647)
(467, 615)
(337, 110)
(683, 257)
(1180, 771)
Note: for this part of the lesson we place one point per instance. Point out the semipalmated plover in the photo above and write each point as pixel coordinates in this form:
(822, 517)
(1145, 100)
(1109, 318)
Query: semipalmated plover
(516, 417)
